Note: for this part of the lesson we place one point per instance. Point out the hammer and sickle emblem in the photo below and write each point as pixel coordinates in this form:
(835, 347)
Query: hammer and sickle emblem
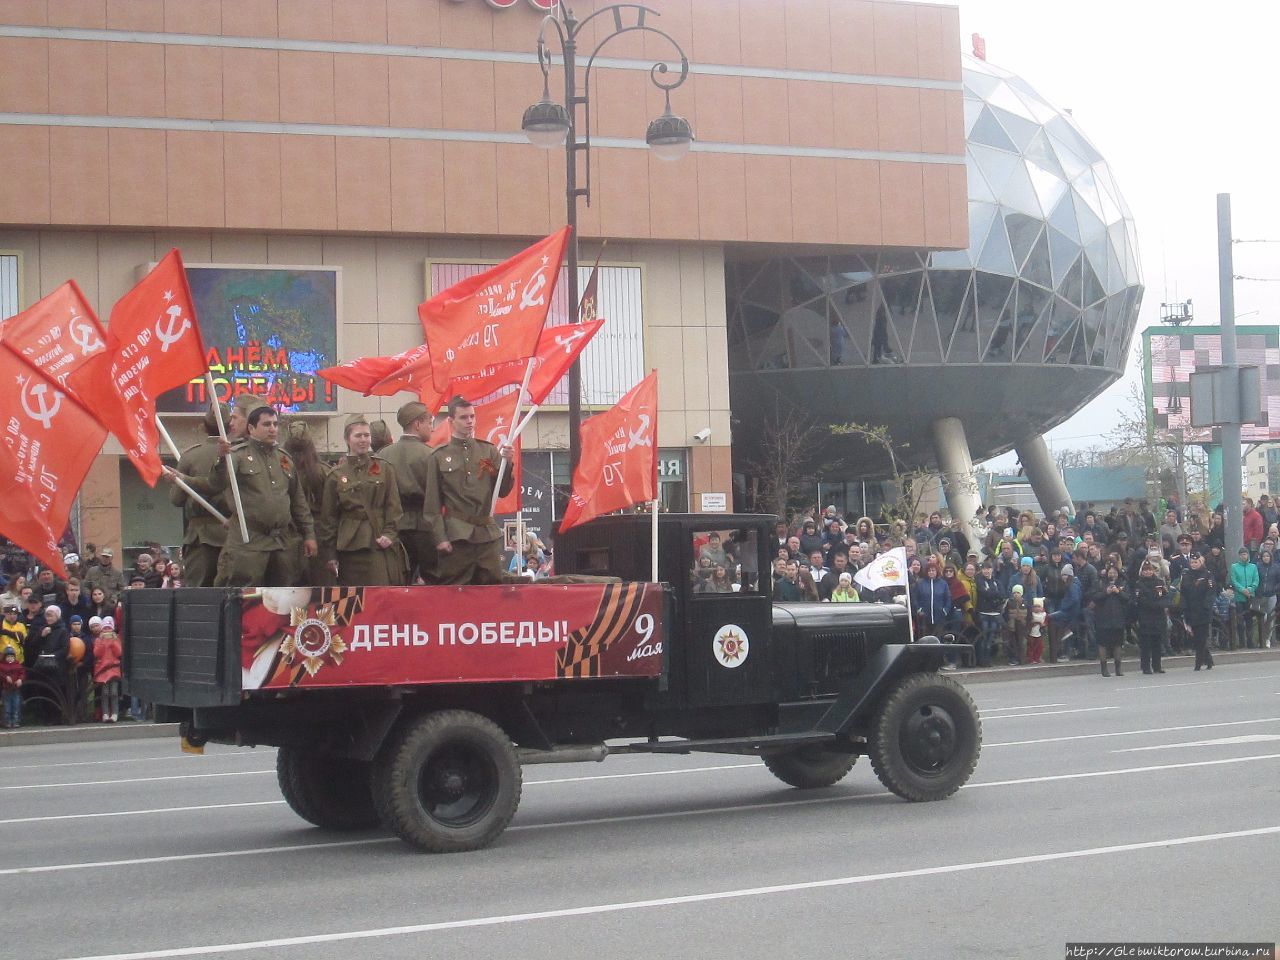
(637, 437)
(83, 336)
(167, 334)
(45, 410)
(570, 340)
(531, 295)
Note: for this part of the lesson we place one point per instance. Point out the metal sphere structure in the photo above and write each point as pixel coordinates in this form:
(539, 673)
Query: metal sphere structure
(1011, 336)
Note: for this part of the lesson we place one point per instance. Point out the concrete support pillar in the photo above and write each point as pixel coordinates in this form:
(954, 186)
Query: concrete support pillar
(1046, 480)
(959, 482)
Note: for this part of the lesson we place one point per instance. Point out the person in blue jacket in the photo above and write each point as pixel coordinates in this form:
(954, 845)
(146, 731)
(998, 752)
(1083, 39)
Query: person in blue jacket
(932, 601)
(1068, 613)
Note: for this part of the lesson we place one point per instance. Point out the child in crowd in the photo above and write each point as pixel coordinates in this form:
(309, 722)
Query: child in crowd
(1015, 625)
(1036, 631)
(106, 670)
(12, 674)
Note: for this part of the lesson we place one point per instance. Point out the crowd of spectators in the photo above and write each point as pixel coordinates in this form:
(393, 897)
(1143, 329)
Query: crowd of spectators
(1080, 583)
(60, 647)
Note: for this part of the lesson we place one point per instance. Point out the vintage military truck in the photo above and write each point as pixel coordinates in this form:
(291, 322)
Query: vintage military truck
(415, 707)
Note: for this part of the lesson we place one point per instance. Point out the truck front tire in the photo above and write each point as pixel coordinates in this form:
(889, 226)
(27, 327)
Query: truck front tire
(926, 738)
(810, 767)
(330, 792)
(448, 781)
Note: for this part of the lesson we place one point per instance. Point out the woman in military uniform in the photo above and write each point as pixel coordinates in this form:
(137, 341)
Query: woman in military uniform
(358, 515)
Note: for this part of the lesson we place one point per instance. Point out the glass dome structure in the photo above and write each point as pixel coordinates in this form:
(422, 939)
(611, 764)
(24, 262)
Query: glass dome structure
(1050, 282)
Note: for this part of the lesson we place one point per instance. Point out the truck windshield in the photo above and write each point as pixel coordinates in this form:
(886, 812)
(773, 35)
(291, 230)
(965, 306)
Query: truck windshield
(725, 561)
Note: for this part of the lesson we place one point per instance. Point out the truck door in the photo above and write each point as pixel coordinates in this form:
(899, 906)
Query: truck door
(728, 617)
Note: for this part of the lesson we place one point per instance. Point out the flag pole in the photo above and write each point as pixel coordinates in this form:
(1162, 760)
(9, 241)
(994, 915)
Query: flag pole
(511, 437)
(177, 478)
(231, 469)
(653, 568)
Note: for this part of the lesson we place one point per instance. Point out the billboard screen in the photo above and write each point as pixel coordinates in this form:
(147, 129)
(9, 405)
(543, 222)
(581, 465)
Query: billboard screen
(267, 330)
(1171, 354)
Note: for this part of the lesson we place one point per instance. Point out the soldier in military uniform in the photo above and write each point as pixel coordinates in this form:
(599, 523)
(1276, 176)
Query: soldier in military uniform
(202, 534)
(409, 456)
(359, 513)
(275, 510)
(459, 497)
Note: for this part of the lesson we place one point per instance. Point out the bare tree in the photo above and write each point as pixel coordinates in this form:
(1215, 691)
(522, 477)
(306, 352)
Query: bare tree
(784, 470)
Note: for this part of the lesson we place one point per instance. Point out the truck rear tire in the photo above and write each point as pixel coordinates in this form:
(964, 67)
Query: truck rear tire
(331, 792)
(448, 781)
(809, 768)
(926, 738)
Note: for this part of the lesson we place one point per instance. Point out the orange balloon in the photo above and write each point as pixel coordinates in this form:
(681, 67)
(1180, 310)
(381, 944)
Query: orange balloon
(75, 650)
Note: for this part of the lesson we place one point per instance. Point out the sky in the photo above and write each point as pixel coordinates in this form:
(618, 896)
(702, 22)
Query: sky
(1179, 98)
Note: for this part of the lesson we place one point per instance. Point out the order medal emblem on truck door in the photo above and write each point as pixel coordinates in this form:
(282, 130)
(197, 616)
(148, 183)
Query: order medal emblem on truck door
(731, 646)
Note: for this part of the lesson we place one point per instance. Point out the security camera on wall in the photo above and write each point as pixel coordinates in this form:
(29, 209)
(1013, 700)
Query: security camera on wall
(703, 435)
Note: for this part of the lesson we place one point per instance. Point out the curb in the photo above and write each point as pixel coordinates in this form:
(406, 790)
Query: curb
(1081, 668)
(86, 733)
(100, 733)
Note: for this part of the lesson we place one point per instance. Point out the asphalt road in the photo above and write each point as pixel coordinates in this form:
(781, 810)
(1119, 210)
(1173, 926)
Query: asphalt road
(1145, 808)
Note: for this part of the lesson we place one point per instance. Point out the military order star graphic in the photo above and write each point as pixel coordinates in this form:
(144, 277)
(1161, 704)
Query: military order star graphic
(731, 646)
(310, 652)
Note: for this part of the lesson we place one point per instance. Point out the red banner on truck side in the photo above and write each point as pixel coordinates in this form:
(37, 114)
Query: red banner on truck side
(318, 637)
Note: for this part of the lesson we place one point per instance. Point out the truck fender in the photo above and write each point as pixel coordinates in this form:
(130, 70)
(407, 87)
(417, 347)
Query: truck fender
(885, 667)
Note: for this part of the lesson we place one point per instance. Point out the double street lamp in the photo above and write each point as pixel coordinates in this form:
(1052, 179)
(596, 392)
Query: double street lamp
(550, 123)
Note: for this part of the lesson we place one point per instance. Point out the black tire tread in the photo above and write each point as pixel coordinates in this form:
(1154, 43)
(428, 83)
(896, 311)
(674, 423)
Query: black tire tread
(883, 746)
(804, 771)
(399, 811)
(330, 792)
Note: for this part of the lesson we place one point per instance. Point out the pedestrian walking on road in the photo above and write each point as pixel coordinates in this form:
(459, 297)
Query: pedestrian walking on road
(1199, 591)
(1152, 599)
(1111, 616)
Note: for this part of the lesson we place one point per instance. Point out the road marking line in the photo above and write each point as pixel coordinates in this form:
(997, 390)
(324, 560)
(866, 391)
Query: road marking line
(1128, 733)
(1220, 742)
(1048, 713)
(1030, 706)
(1145, 686)
(133, 813)
(625, 818)
(628, 905)
(179, 776)
(185, 757)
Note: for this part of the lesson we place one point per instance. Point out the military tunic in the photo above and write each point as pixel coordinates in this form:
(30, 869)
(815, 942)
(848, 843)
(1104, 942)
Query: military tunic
(361, 503)
(202, 534)
(460, 483)
(409, 456)
(275, 511)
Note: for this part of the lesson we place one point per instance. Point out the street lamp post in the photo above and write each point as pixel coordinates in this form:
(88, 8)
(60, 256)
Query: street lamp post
(549, 123)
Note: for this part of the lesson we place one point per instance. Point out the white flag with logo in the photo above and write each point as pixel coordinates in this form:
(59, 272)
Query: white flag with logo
(887, 570)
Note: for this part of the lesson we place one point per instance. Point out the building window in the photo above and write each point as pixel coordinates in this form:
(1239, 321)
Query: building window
(10, 296)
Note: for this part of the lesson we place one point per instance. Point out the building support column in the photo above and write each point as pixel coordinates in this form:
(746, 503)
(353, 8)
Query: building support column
(959, 482)
(1046, 480)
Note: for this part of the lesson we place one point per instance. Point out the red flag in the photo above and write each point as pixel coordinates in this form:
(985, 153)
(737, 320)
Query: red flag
(382, 376)
(153, 345)
(619, 465)
(51, 441)
(557, 348)
(495, 316)
(493, 423)
(56, 335)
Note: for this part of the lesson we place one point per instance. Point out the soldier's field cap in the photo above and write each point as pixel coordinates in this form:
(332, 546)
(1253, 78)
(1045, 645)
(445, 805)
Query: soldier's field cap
(410, 412)
(211, 421)
(356, 418)
(246, 403)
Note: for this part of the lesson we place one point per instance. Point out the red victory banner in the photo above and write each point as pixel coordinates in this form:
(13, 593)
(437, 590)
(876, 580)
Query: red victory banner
(494, 317)
(375, 636)
(56, 335)
(51, 440)
(153, 345)
(619, 465)
(493, 423)
(557, 348)
(382, 376)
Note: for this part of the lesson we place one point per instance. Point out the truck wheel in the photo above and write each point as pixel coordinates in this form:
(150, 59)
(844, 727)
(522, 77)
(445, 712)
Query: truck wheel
(450, 781)
(332, 792)
(810, 767)
(926, 739)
